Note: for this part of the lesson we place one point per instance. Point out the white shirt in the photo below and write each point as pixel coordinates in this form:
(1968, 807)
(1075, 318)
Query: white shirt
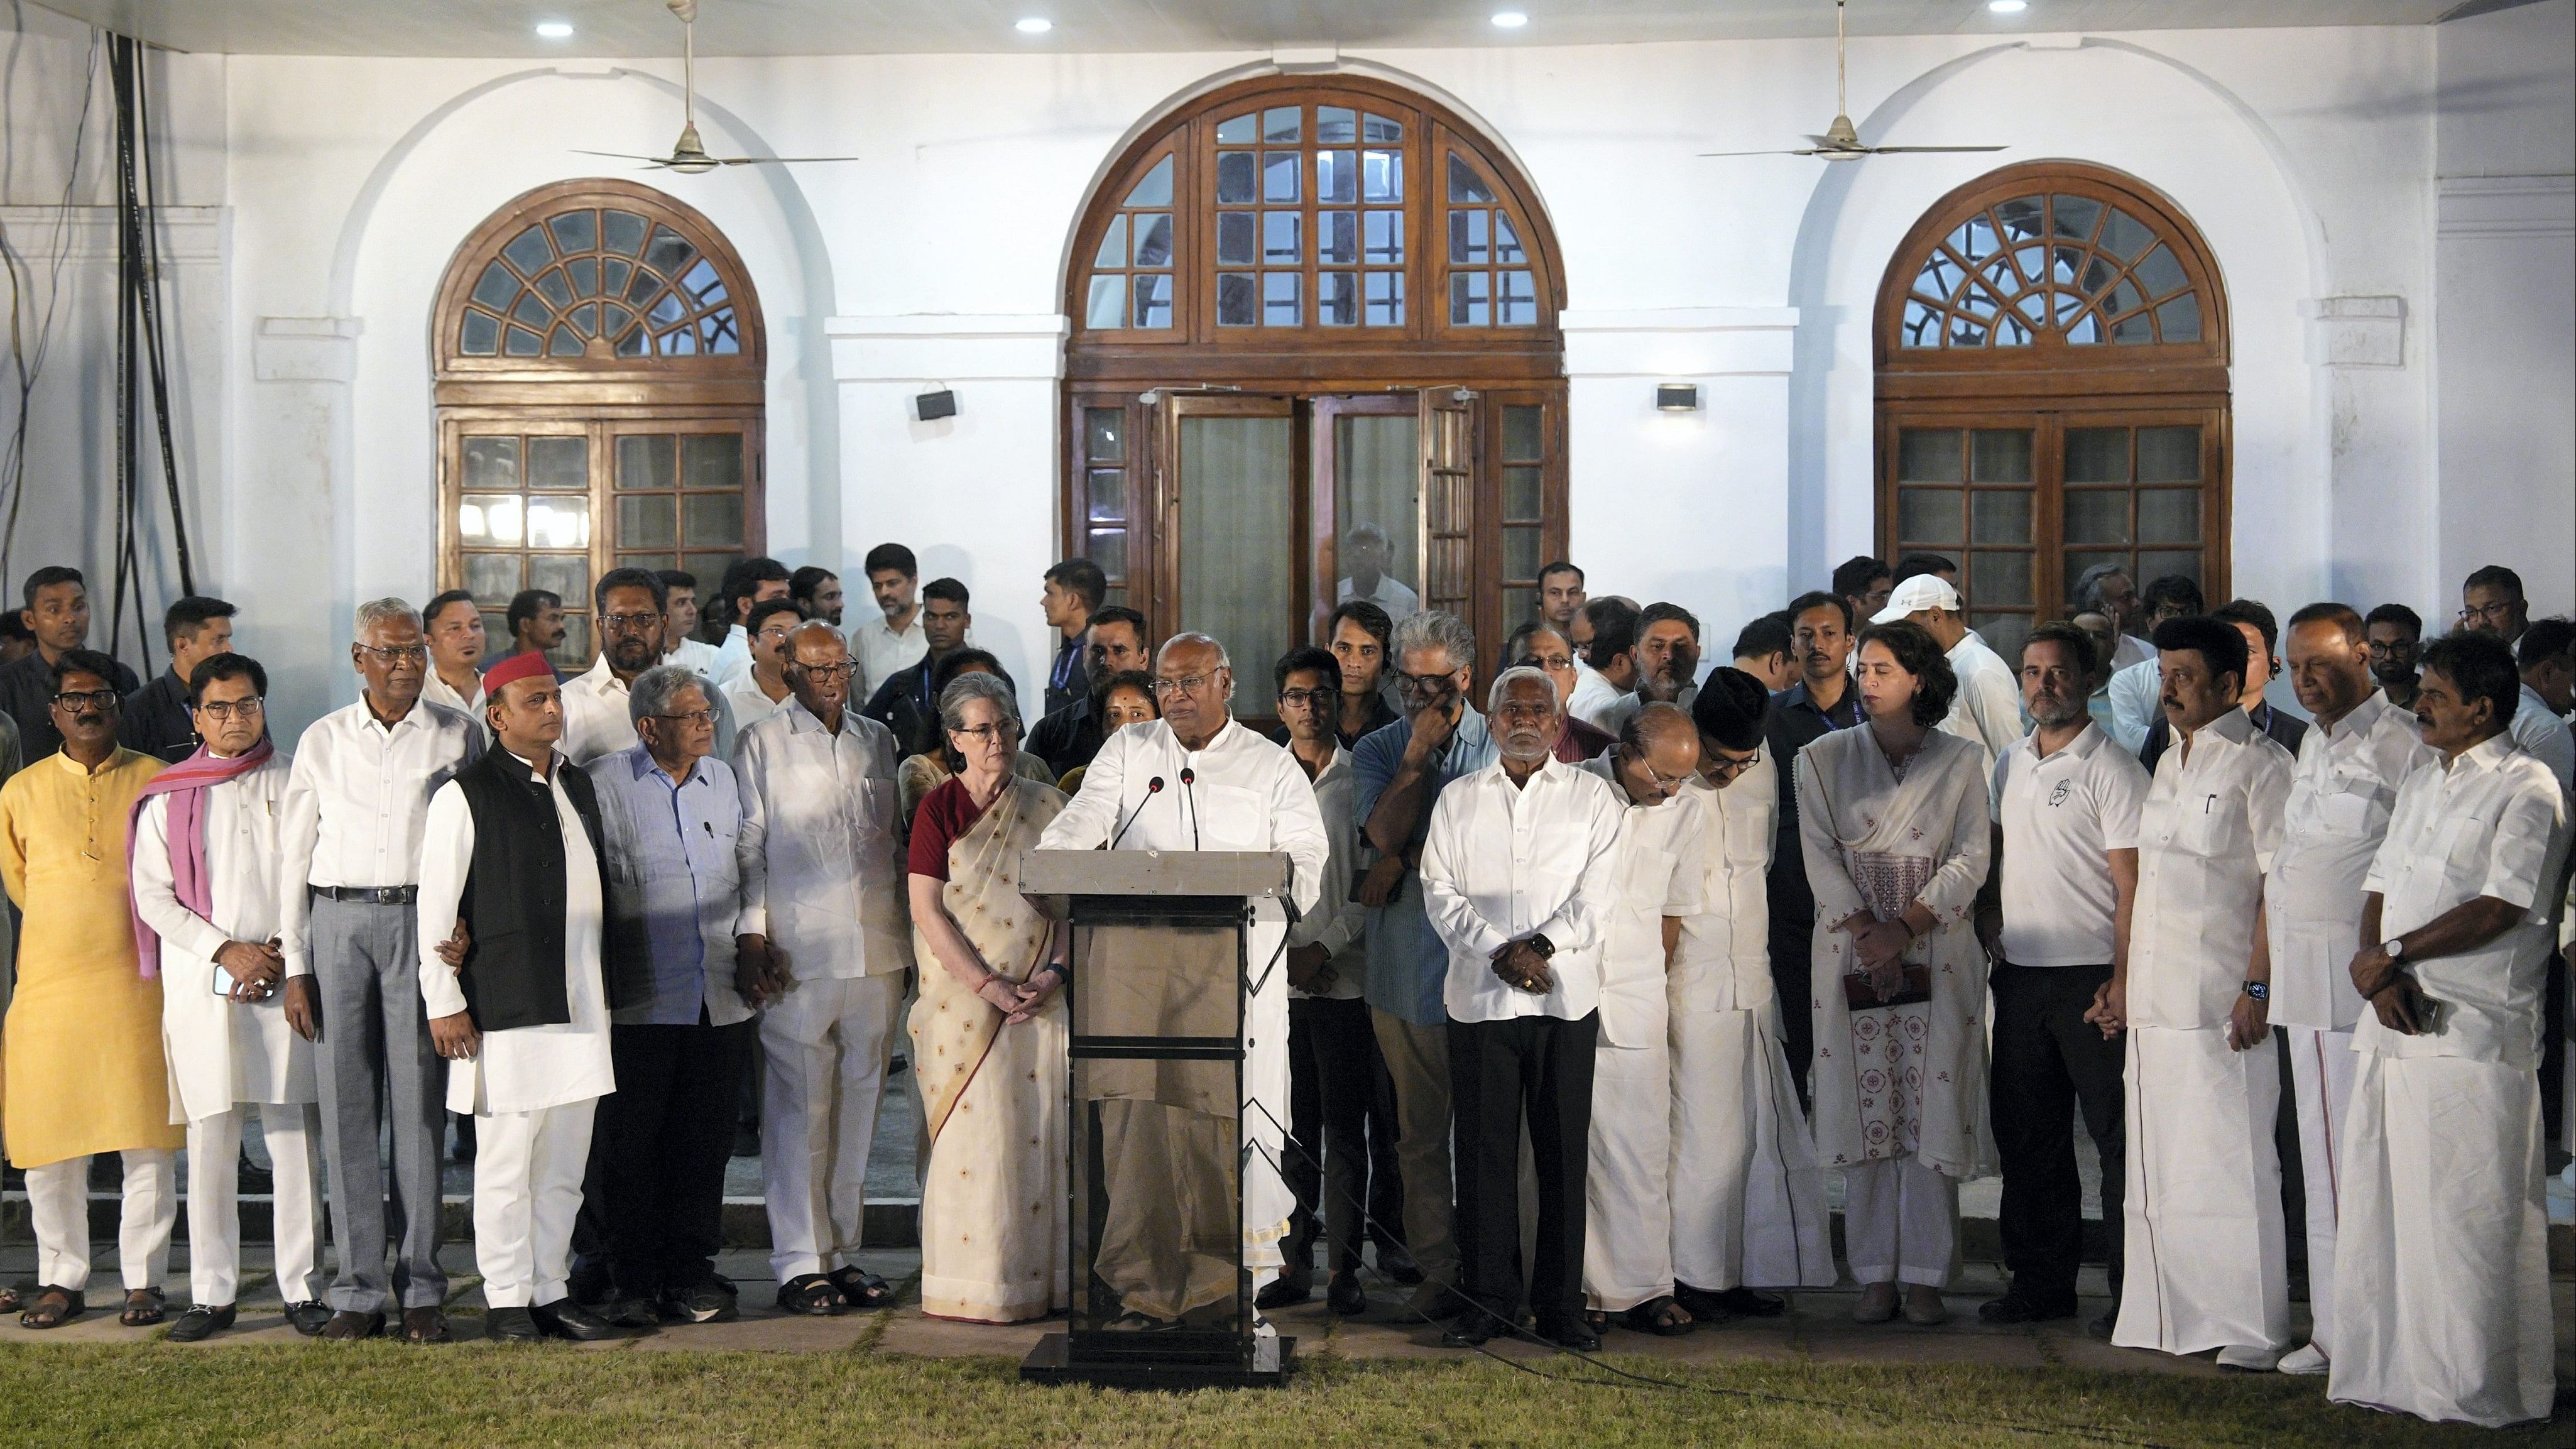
(1337, 922)
(2137, 698)
(733, 659)
(1245, 794)
(526, 1068)
(2062, 815)
(882, 652)
(221, 1052)
(1596, 701)
(1661, 870)
(1502, 862)
(1725, 958)
(2130, 649)
(2493, 823)
(2541, 732)
(356, 799)
(1391, 594)
(436, 691)
(596, 718)
(1987, 708)
(2341, 795)
(2206, 835)
(694, 655)
(822, 870)
(750, 706)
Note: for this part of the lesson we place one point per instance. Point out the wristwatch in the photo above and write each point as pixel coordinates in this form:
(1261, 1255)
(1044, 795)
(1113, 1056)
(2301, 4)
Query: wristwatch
(2259, 990)
(2395, 946)
(1545, 948)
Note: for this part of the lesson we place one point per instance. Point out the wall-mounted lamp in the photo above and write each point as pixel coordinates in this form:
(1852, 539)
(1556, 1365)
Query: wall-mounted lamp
(930, 407)
(1677, 397)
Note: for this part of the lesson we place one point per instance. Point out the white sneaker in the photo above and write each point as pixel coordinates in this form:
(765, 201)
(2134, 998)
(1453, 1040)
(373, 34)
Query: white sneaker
(2308, 1359)
(2246, 1359)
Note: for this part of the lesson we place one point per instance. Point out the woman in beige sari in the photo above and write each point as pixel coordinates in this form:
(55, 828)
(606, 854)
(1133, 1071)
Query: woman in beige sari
(930, 761)
(988, 1030)
(1893, 819)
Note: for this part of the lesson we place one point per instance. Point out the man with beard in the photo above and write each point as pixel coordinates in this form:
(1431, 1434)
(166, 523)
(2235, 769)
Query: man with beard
(817, 591)
(1605, 691)
(1667, 655)
(2396, 633)
(629, 608)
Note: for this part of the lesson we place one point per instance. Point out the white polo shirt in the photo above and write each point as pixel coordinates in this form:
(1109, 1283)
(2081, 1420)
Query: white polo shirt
(2062, 814)
(2341, 796)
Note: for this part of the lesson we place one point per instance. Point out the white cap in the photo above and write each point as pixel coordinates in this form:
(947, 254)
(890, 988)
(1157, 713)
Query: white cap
(1923, 591)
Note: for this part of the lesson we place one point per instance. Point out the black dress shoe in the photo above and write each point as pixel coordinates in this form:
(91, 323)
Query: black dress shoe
(1284, 1291)
(1468, 1330)
(711, 1300)
(511, 1325)
(307, 1318)
(425, 1325)
(564, 1318)
(1571, 1333)
(201, 1323)
(1397, 1264)
(2015, 1307)
(1345, 1296)
(348, 1327)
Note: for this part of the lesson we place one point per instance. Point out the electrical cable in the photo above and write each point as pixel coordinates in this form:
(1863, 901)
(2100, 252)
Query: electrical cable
(30, 365)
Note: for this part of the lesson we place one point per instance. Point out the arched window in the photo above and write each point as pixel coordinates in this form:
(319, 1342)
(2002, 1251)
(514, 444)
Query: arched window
(1306, 312)
(600, 363)
(2052, 392)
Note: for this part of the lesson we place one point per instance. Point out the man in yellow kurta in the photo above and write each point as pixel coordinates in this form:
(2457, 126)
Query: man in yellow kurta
(82, 1043)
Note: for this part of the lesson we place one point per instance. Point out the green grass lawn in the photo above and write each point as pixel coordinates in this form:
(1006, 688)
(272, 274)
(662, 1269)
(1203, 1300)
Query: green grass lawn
(387, 1393)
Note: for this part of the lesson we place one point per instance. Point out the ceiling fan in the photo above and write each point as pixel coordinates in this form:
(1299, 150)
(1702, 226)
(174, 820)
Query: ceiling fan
(689, 156)
(1841, 142)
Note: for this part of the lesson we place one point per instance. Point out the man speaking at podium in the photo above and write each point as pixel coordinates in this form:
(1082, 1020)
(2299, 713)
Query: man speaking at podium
(1195, 780)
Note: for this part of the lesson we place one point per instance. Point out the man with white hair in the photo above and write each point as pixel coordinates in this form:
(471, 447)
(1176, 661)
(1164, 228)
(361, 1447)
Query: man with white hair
(2108, 590)
(1365, 553)
(1196, 780)
(1987, 708)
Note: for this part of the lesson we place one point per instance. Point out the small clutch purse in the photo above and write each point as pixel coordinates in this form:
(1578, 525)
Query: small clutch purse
(1859, 995)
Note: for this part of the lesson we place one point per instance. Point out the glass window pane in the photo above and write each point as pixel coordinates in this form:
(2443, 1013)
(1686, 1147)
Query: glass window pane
(1928, 455)
(575, 231)
(1237, 533)
(647, 460)
(2180, 318)
(532, 312)
(1336, 125)
(1337, 298)
(529, 252)
(1113, 244)
(2004, 632)
(1507, 242)
(1520, 553)
(2097, 515)
(1466, 188)
(1235, 244)
(2002, 456)
(2000, 515)
(2137, 327)
(1384, 294)
(1999, 578)
(1520, 603)
(1240, 130)
(1279, 244)
(1237, 301)
(1279, 175)
(711, 520)
(1155, 187)
(711, 460)
(496, 287)
(1107, 547)
(2076, 563)
(1337, 177)
(491, 519)
(1153, 299)
(1108, 305)
(668, 252)
(563, 574)
(480, 336)
(649, 521)
(1385, 238)
(1378, 130)
(1104, 435)
(1521, 492)
(2169, 455)
(1467, 244)
(1518, 305)
(1382, 176)
(585, 319)
(574, 654)
(1281, 305)
(653, 561)
(559, 521)
(2154, 564)
(710, 565)
(1234, 178)
(492, 578)
(2124, 236)
(2097, 455)
(564, 343)
(491, 463)
(1107, 488)
(2076, 216)
(1467, 303)
(520, 342)
(1521, 434)
(559, 463)
(1931, 516)
(2168, 515)
(2159, 273)
(622, 232)
(1154, 239)
(1377, 490)
(1279, 125)
(1337, 237)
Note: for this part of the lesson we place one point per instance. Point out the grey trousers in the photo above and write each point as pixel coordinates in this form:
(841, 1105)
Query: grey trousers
(376, 1054)
(1418, 1058)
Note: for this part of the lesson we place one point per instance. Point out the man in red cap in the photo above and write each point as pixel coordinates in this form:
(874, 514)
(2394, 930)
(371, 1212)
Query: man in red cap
(511, 852)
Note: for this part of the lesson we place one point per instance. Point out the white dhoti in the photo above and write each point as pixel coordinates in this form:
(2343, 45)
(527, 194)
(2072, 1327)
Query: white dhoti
(827, 1043)
(2321, 1076)
(2207, 1266)
(1627, 1204)
(527, 1191)
(2442, 1282)
(1748, 1200)
(293, 1132)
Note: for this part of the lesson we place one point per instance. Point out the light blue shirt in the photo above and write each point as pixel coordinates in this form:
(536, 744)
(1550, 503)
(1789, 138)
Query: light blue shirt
(1407, 962)
(674, 888)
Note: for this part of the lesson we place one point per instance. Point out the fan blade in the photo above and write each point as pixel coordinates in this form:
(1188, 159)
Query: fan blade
(1892, 150)
(1808, 152)
(624, 156)
(775, 160)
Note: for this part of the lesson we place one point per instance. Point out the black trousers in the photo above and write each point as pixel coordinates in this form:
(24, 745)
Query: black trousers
(1332, 1071)
(654, 1192)
(2047, 1061)
(1538, 1069)
(1385, 1226)
(1793, 951)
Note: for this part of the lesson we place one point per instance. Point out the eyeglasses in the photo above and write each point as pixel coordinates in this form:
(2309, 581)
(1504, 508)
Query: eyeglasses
(1000, 731)
(827, 672)
(400, 653)
(1316, 698)
(1666, 784)
(1728, 766)
(94, 698)
(1422, 683)
(221, 710)
(1186, 684)
(630, 623)
(693, 717)
(2483, 613)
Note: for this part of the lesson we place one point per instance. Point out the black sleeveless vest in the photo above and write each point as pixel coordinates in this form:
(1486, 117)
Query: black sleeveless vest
(514, 892)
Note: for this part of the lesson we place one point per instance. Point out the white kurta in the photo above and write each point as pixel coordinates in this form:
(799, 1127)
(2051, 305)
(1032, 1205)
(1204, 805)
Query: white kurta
(2206, 1262)
(1987, 708)
(221, 1052)
(1245, 794)
(1628, 1229)
(1748, 1200)
(2442, 1274)
(822, 872)
(525, 1068)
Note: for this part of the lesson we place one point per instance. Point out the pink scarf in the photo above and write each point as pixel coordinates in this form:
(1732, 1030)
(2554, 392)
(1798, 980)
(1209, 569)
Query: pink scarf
(186, 784)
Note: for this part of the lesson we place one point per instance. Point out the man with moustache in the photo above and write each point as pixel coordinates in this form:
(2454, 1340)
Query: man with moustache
(1120, 643)
(2134, 690)
(535, 620)
(1667, 655)
(1359, 634)
(817, 591)
(892, 639)
(764, 692)
(1821, 701)
(57, 613)
(1541, 648)
(156, 719)
(453, 629)
(908, 699)
(629, 607)
(680, 644)
(2396, 633)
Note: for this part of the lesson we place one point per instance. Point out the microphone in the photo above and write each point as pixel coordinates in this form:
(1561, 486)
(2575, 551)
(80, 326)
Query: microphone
(1153, 787)
(1189, 782)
